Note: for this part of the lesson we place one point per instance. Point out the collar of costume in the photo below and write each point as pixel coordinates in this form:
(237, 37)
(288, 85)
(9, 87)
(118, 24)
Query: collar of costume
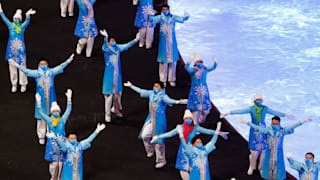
(17, 27)
(186, 130)
(158, 95)
(55, 120)
(259, 111)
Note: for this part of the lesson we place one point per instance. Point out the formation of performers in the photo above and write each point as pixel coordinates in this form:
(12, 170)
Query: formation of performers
(64, 151)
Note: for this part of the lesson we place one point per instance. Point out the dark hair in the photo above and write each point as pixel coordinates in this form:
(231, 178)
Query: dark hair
(193, 140)
(160, 83)
(42, 59)
(310, 153)
(276, 118)
(111, 37)
(72, 132)
(165, 6)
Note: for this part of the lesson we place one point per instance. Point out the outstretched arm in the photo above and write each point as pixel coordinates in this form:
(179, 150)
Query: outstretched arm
(154, 19)
(241, 111)
(59, 69)
(188, 68)
(169, 134)
(62, 145)
(42, 115)
(290, 129)
(124, 47)
(85, 144)
(214, 66)
(273, 112)
(27, 72)
(169, 100)
(294, 164)
(67, 113)
(261, 130)
(182, 19)
(143, 93)
(211, 145)
(4, 18)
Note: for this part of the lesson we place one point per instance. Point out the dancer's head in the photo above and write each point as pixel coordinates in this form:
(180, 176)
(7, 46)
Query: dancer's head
(187, 118)
(165, 9)
(43, 64)
(112, 41)
(17, 17)
(198, 62)
(275, 121)
(197, 142)
(258, 99)
(309, 159)
(72, 138)
(55, 109)
(158, 86)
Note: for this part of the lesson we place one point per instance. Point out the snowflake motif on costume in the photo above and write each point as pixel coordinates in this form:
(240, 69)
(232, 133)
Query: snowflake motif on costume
(145, 11)
(16, 45)
(45, 81)
(201, 90)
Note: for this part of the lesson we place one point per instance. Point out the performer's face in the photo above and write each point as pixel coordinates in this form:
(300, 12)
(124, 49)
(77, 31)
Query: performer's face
(157, 86)
(112, 40)
(43, 63)
(165, 9)
(197, 142)
(16, 20)
(275, 122)
(309, 156)
(72, 137)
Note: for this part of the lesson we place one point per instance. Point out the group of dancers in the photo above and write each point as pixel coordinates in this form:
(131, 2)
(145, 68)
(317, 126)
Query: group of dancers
(64, 151)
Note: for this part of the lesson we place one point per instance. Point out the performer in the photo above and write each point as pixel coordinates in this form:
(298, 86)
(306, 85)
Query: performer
(56, 124)
(156, 122)
(112, 80)
(16, 49)
(273, 166)
(308, 170)
(66, 5)
(189, 131)
(199, 98)
(257, 142)
(198, 154)
(44, 77)
(72, 153)
(86, 28)
(146, 28)
(168, 50)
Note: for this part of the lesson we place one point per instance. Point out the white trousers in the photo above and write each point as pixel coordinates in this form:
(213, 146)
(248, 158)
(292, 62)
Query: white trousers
(199, 116)
(55, 170)
(160, 150)
(167, 72)
(66, 5)
(253, 157)
(117, 107)
(146, 37)
(85, 41)
(23, 80)
(184, 175)
(41, 129)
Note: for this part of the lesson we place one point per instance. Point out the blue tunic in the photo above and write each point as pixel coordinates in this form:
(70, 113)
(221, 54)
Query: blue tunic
(45, 85)
(182, 161)
(86, 26)
(168, 49)
(257, 141)
(305, 172)
(72, 157)
(53, 152)
(16, 49)
(274, 154)
(145, 6)
(157, 110)
(112, 70)
(199, 97)
(198, 158)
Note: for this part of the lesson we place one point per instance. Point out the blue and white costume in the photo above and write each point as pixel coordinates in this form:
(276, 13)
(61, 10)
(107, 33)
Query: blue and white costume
(305, 172)
(168, 54)
(86, 28)
(273, 166)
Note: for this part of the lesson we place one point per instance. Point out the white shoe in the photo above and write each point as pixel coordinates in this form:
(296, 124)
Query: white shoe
(165, 84)
(160, 165)
(141, 45)
(250, 171)
(14, 89)
(70, 14)
(112, 109)
(108, 118)
(23, 89)
(63, 15)
(41, 141)
(149, 155)
(172, 84)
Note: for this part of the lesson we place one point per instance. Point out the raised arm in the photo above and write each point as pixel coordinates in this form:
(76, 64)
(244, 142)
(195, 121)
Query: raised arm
(27, 72)
(211, 145)
(154, 19)
(293, 163)
(4, 18)
(143, 93)
(85, 144)
(181, 19)
(25, 23)
(42, 115)
(213, 67)
(62, 145)
(59, 69)
(290, 129)
(67, 113)
(240, 111)
(189, 68)
(124, 47)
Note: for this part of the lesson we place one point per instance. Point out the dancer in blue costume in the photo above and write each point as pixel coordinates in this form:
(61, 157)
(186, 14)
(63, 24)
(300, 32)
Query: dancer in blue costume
(308, 170)
(257, 141)
(156, 122)
(168, 54)
(44, 77)
(16, 49)
(273, 166)
(56, 125)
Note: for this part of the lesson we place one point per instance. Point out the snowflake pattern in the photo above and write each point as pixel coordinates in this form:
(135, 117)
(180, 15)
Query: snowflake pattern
(201, 90)
(16, 45)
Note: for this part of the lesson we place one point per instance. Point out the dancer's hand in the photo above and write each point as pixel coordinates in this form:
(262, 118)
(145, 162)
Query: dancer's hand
(186, 14)
(135, 2)
(70, 59)
(243, 121)
(137, 37)
(306, 120)
(1, 11)
(51, 135)
(224, 114)
(30, 12)
(218, 127)
(214, 59)
(69, 95)
(154, 138)
(289, 155)
(224, 134)
(104, 33)
(183, 101)
(100, 127)
(128, 84)
(13, 63)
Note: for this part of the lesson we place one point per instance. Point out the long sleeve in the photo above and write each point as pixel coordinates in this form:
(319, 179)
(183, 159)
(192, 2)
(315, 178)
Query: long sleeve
(92, 2)
(45, 117)
(213, 67)
(169, 134)
(59, 69)
(143, 93)
(290, 129)
(187, 149)
(169, 100)
(5, 19)
(105, 48)
(180, 19)
(317, 164)
(62, 145)
(211, 145)
(25, 23)
(124, 47)
(203, 130)
(29, 72)
(154, 19)
(241, 111)
(262, 130)
(67, 113)
(85, 144)
(189, 69)
(295, 164)
(273, 112)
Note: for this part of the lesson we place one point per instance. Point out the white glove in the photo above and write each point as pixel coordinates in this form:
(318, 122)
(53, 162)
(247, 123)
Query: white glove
(104, 33)
(70, 59)
(183, 101)
(214, 59)
(137, 37)
(38, 99)
(243, 121)
(186, 14)
(1, 11)
(135, 2)
(290, 116)
(224, 114)
(69, 95)
(30, 12)
(180, 130)
(51, 135)
(128, 84)
(152, 12)
(154, 138)
(193, 56)
(218, 127)
(306, 120)
(100, 127)
(12, 62)
(289, 155)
